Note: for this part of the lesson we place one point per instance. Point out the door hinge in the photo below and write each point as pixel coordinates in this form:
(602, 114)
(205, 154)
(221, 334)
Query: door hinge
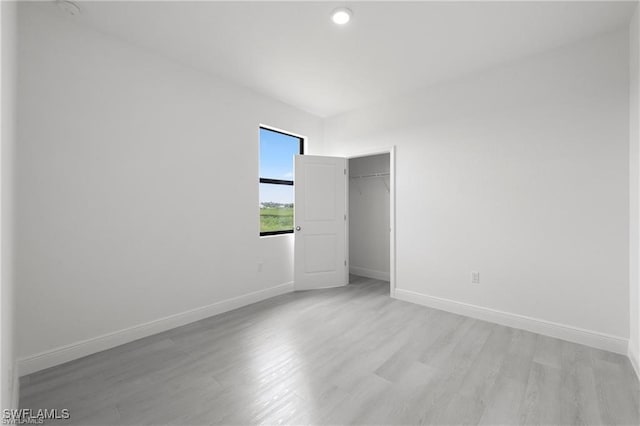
(345, 217)
(345, 263)
(345, 171)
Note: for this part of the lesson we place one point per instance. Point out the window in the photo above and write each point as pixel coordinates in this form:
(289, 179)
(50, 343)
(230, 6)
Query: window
(276, 180)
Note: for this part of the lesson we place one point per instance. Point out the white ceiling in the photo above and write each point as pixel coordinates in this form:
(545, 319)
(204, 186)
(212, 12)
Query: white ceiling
(292, 52)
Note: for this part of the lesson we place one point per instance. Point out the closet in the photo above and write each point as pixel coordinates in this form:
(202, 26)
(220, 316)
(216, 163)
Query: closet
(369, 193)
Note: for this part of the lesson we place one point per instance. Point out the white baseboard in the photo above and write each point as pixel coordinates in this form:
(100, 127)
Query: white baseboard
(635, 361)
(560, 331)
(66, 353)
(369, 273)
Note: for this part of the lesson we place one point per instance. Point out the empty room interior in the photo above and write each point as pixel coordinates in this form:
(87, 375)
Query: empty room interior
(323, 212)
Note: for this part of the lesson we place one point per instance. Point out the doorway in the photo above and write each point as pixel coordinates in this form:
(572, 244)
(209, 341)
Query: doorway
(321, 233)
(370, 217)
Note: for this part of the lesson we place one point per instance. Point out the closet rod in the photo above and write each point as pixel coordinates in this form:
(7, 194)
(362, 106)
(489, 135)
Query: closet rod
(369, 176)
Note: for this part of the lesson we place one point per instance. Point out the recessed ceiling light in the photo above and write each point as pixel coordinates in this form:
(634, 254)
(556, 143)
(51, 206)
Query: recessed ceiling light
(341, 16)
(69, 7)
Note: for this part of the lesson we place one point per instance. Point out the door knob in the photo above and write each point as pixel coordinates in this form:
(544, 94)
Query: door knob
(298, 228)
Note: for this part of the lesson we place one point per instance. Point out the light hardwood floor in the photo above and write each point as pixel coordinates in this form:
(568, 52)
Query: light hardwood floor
(350, 355)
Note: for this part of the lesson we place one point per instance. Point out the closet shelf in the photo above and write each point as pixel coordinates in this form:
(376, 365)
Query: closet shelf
(372, 175)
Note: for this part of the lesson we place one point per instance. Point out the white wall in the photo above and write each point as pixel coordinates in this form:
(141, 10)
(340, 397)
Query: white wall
(8, 385)
(137, 191)
(521, 173)
(369, 217)
(634, 192)
(137, 184)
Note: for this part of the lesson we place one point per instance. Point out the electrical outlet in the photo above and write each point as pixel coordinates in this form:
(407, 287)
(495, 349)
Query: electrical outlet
(259, 266)
(475, 277)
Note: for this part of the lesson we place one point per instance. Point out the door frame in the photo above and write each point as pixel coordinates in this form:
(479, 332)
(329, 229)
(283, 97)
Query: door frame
(391, 150)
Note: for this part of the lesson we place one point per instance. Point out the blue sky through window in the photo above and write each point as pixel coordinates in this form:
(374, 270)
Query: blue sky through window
(276, 162)
(276, 154)
(282, 194)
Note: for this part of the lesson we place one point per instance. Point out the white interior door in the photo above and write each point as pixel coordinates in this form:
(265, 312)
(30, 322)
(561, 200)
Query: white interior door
(320, 222)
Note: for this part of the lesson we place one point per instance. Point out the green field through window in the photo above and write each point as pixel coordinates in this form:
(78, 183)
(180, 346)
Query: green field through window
(276, 219)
